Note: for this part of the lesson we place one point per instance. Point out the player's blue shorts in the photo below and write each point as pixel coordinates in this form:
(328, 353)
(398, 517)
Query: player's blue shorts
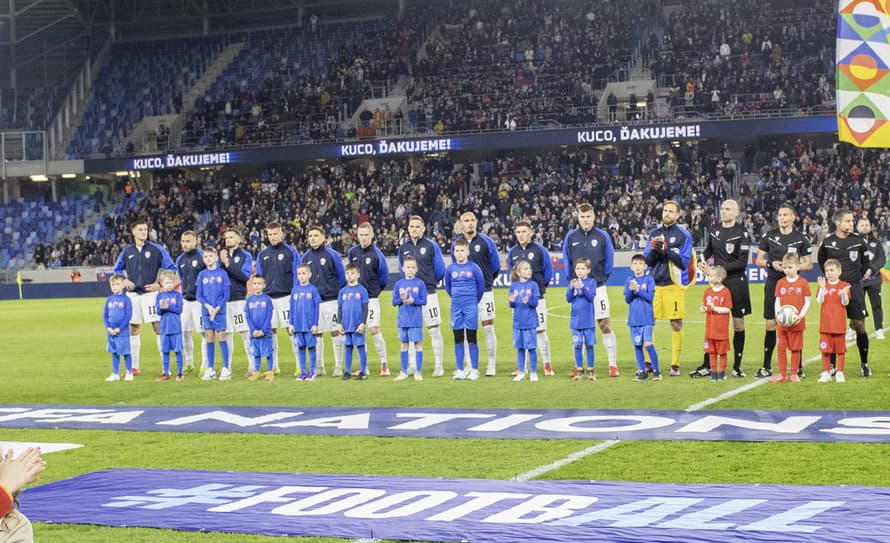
(525, 338)
(119, 344)
(584, 337)
(354, 339)
(640, 335)
(411, 334)
(261, 346)
(218, 324)
(464, 316)
(304, 339)
(171, 343)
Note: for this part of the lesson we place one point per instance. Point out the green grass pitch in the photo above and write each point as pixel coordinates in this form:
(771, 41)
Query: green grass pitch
(54, 353)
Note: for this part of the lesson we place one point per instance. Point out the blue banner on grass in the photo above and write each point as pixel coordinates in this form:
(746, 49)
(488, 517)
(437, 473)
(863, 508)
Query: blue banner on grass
(627, 424)
(477, 510)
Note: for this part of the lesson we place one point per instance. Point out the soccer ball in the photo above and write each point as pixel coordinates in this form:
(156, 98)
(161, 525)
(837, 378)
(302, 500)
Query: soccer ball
(786, 315)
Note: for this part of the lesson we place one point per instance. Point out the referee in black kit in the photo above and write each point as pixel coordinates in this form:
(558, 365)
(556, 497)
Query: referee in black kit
(852, 252)
(729, 244)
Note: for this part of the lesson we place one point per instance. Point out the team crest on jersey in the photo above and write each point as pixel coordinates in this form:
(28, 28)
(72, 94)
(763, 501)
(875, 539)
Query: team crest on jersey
(416, 290)
(367, 260)
(194, 263)
(147, 254)
(593, 242)
(280, 257)
(454, 275)
(823, 345)
(237, 259)
(478, 248)
(672, 239)
(730, 247)
(854, 255)
(709, 300)
(218, 280)
(323, 261)
(531, 256)
(423, 250)
(706, 346)
(782, 291)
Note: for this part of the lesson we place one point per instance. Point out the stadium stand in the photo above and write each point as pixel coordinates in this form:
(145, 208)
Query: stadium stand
(140, 79)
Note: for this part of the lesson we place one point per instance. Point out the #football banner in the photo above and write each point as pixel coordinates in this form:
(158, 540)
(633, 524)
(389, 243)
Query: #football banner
(476, 510)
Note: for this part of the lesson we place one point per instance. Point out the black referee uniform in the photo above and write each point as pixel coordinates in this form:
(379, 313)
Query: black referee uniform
(730, 247)
(852, 252)
(877, 259)
(775, 245)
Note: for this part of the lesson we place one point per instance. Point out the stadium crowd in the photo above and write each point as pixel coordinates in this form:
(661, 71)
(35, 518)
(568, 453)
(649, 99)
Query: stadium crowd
(772, 56)
(625, 190)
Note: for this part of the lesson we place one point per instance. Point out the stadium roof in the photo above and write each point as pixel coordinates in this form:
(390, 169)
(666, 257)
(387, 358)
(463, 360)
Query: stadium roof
(46, 41)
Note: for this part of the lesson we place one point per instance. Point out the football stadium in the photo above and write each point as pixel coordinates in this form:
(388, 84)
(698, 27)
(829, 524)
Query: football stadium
(445, 270)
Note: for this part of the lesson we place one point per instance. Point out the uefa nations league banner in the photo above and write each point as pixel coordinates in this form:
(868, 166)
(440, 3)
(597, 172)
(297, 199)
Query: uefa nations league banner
(470, 510)
(623, 424)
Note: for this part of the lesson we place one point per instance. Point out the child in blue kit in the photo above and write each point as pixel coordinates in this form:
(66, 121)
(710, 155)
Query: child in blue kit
(116, 316)
(213, 293)
(258, 311)
(524, 296)
(352, 312)
(465, 284)
(580, 295)
(639, 290)
(169, 306)
(303, 321)
(409, 295)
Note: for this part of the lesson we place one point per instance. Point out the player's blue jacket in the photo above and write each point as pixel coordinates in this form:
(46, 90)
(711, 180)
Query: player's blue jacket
(581, 300)
(141, 266)
(258, 310)
(485, 254)
(672, 265)
(409, 315)
(594, 245)
(117, 313)
(524, 314)
(430, 264)
(188, 266)
(539, 259)
(639, 310)
(374, 273)
(170, 321)
(465, 283)
(213, 288)
(278, 264)
(239, 269)
(304, 302)
(328, 275)
(352, 307)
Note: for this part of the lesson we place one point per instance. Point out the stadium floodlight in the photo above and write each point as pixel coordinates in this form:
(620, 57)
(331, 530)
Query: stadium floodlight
(122, 174)
(69, 176)
(39, 178)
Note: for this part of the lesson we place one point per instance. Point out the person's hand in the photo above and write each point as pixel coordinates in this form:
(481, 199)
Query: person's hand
(821, 282)
(409, 300)
(224, 257)
(340, 329)
(360, 328)
(313, 330)
(846, 290)
(129, 284)
(164, 304)
(512, 297)
(15, 473)
(634, 286)
(290, 330)
(703, 309)
(867, 275)
(152, 287)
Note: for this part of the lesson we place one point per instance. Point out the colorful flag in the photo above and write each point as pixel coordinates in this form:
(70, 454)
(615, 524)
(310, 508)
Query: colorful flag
(863, 72)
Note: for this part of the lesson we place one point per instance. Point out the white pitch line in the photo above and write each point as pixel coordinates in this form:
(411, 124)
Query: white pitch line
(541, 470)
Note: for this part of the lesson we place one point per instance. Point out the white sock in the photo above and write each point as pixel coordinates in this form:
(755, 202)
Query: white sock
(544, 346)
(245, 337)
(319, 355)
(380, 347)
(337, 342)
(230, 341)
(438, 346)
(611, 346)
(135, 347)
(203, 351)
(275, 348)
(491, 344)
(188, 348)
